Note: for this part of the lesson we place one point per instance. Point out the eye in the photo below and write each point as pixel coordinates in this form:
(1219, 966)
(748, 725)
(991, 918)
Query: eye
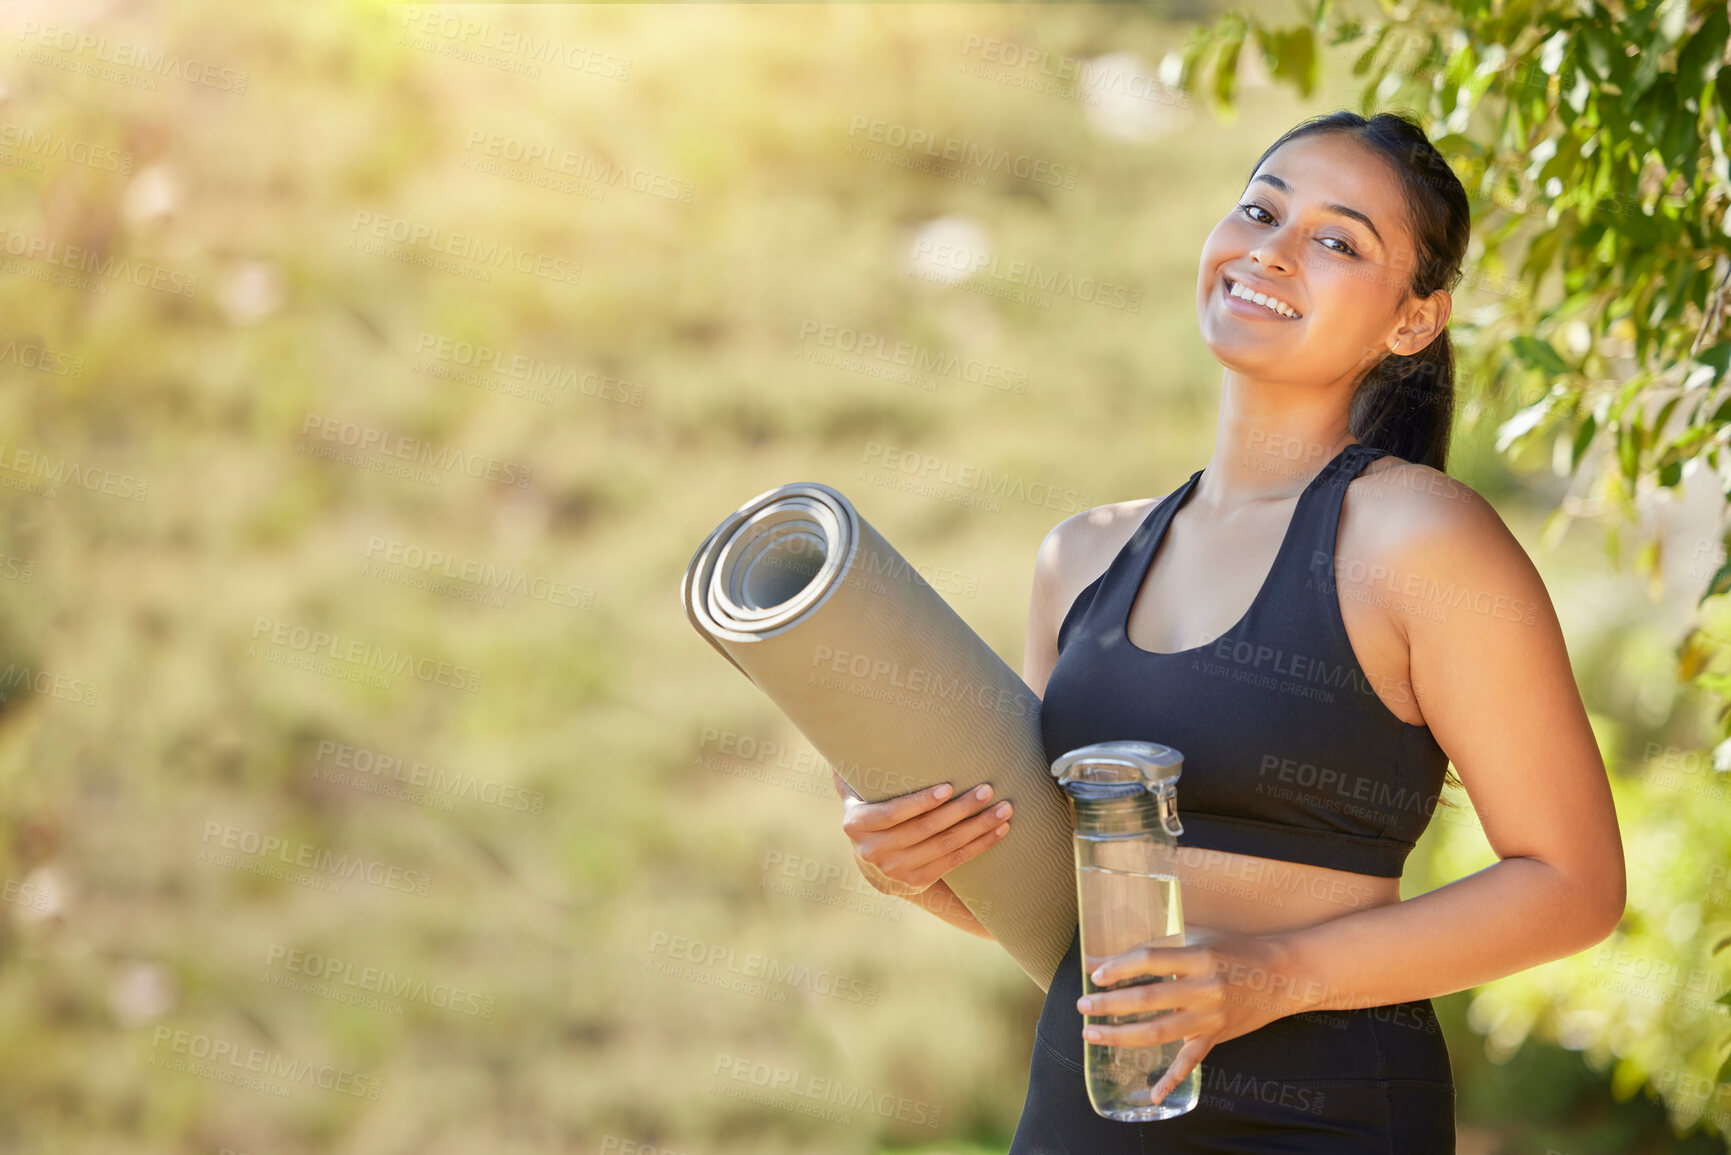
(1251, 207)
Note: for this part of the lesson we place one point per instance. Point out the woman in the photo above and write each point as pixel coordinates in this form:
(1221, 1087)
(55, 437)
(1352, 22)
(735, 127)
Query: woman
(1321, 621)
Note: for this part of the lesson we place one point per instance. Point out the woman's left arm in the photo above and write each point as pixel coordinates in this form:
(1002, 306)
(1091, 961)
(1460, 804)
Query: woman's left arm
(1492, 678)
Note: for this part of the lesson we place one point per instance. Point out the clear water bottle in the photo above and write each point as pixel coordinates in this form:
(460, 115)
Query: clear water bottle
(1125, 796)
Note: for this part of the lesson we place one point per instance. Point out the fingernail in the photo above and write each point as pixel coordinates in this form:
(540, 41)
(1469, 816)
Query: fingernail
(942, 791)
(1003, 811)
(984, 791)
(1096, 976)
(1084, 1004)
(1092, 1035)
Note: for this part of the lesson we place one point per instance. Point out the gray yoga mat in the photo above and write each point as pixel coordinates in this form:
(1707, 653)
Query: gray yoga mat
(893, 688)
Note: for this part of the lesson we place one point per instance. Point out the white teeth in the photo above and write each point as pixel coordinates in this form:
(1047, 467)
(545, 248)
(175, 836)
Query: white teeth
(1263, 299)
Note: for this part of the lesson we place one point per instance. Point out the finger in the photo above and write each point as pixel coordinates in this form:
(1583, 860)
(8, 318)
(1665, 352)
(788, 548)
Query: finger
(963, 832)
(1154, 960)
(1168, 1028)
(1143, 998)
(923, 823)
(951, 814)
(875, 816)
(931, 871)
(1186, 1061)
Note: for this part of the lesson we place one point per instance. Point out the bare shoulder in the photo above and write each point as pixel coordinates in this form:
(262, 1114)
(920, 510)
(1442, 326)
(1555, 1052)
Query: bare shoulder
(1078, 549)
(1430, 532)
(1074, 553)
(1410, 504)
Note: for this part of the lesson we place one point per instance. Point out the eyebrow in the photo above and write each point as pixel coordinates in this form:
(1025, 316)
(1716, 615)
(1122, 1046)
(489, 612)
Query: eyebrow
(1342, 210)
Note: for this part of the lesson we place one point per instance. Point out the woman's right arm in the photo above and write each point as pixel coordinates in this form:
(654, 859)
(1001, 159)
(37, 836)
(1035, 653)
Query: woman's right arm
(904, 845)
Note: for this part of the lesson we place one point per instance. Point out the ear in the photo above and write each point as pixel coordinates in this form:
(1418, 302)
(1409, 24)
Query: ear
(1424, 320)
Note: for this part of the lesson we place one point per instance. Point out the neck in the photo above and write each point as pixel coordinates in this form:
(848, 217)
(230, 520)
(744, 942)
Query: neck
(1268, 444)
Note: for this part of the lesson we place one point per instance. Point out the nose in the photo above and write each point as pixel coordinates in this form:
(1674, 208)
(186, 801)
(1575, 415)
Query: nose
(1268, 257)
(1268, 252)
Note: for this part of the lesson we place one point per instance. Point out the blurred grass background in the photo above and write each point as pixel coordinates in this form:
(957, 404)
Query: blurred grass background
(609, 827)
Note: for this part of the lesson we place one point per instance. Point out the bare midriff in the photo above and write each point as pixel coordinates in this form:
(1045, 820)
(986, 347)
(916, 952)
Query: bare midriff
(1251, 895)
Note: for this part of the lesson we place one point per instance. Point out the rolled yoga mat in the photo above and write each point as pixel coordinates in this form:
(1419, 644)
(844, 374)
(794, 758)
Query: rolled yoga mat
(894, 689)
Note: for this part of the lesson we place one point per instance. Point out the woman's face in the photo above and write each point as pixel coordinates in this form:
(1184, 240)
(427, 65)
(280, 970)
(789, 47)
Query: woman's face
(1345, 277)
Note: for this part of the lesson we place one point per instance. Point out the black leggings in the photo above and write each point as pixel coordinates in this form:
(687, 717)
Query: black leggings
(1369, 1081)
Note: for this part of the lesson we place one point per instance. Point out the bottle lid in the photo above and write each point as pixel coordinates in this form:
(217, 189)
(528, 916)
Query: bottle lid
(1137, 765)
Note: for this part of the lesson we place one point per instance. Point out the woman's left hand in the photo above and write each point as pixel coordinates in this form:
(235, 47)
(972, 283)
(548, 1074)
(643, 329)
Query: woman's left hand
(1228, 985)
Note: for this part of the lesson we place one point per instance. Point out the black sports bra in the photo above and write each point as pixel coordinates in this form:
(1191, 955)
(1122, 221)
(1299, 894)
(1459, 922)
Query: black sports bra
(1288, 751)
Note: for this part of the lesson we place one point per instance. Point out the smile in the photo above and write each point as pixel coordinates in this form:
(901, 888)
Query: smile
(1272, 304)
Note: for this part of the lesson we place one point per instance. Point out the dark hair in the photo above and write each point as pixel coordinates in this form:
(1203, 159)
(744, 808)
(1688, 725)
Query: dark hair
(1405, 403)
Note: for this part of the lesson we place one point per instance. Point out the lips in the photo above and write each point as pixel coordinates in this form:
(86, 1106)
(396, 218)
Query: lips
(1227, 281)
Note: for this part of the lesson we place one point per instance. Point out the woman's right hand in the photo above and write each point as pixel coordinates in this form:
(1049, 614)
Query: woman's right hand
(905, 844)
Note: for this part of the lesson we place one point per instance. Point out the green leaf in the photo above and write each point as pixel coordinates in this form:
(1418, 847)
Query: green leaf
(1698, 61)
(1524, 422)
(1583, 437)
(1718, 356)
(1539, 354)
(1629, 449)
(1226, 69)
(1298, 60)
